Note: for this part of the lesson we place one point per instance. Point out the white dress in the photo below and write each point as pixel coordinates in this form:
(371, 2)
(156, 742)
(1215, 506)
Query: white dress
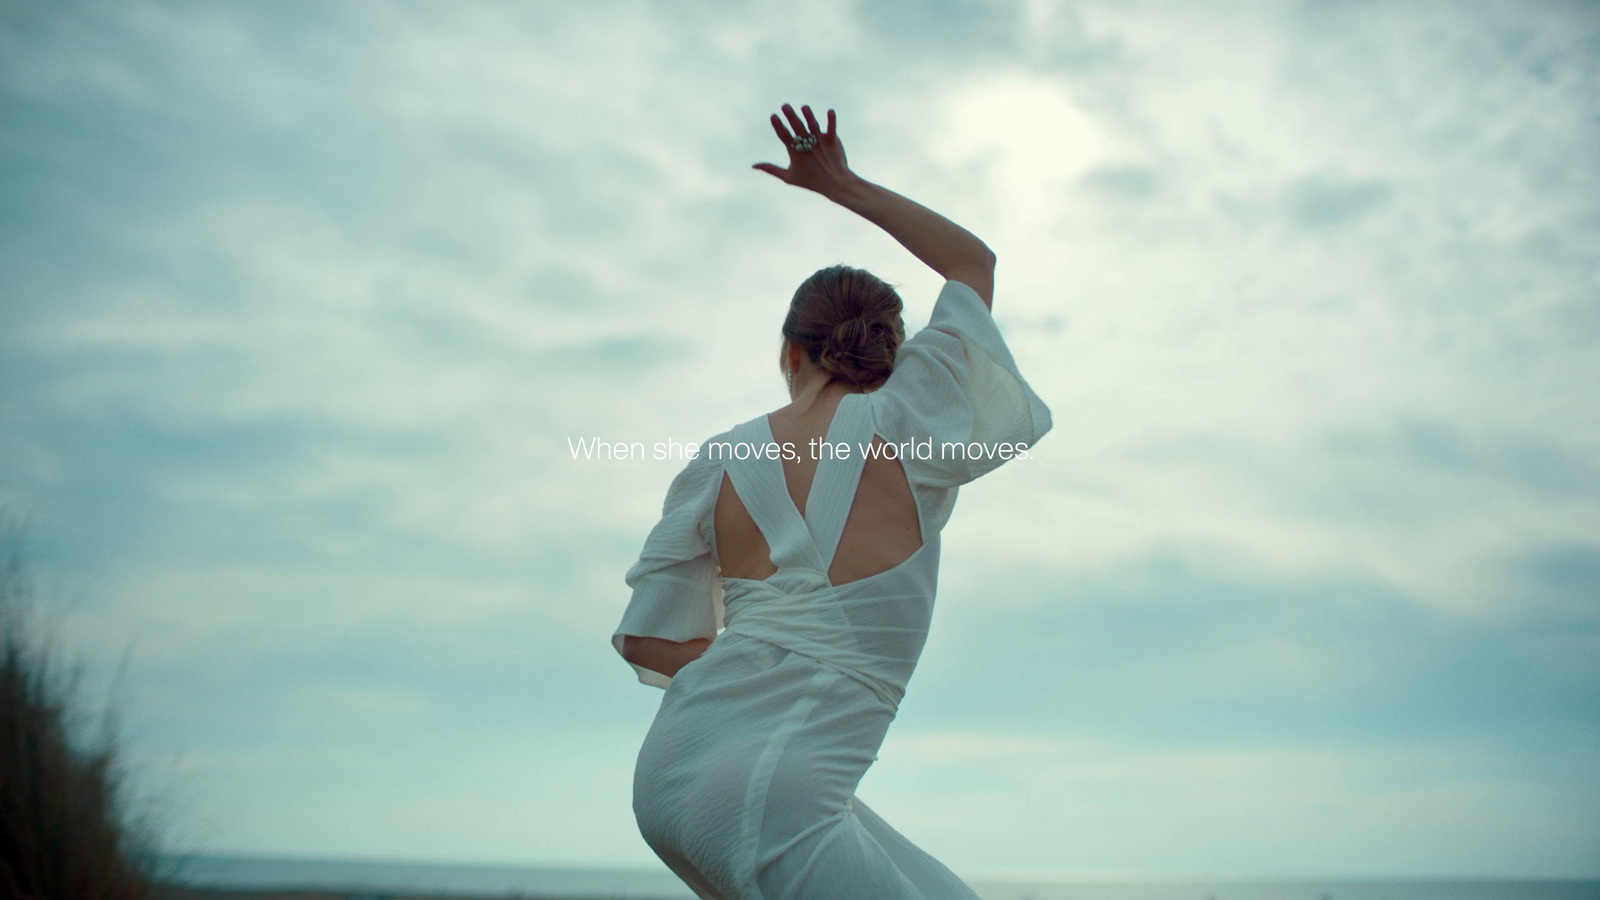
(745, 784)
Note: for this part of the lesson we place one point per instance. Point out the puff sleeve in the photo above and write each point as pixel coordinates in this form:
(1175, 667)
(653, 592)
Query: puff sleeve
(955, 384)
(677, 589)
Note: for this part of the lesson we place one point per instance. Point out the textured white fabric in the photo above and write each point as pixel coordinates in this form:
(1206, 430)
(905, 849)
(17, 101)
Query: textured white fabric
(745, 783)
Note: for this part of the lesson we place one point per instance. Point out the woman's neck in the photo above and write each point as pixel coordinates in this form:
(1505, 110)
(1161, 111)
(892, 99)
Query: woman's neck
(820, 392)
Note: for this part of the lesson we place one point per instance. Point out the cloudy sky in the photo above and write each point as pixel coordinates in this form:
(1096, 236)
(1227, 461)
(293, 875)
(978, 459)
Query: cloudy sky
(302, 302)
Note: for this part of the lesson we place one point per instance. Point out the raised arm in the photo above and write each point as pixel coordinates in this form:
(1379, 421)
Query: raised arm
(817, 163)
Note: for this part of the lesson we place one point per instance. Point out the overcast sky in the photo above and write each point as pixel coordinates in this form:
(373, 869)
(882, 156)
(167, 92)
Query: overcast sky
(303, 300)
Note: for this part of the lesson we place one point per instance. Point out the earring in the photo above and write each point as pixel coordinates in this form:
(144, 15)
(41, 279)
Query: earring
(790, 374)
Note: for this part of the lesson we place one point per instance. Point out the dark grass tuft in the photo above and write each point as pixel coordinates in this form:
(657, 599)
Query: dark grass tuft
(65, 829)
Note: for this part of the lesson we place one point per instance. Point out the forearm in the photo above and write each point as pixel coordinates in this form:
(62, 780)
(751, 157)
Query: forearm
(946, 247)
(661, 655)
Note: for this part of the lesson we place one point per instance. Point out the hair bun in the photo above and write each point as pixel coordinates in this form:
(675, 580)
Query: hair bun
(849, 336)
(858, 351)
(848, 322)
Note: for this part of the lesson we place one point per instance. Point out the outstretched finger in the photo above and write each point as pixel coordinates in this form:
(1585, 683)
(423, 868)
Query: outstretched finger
(770, 169)
(811, 120)
(794, 119)
(832, 123)
(783, 133)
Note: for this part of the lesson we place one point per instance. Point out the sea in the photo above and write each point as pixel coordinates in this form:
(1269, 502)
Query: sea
(373, 879)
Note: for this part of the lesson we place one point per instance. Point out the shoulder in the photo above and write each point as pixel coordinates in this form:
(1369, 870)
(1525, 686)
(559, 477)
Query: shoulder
(961, 313)
(961, 341)
(700, 476)
(957, 298)
(705, 462)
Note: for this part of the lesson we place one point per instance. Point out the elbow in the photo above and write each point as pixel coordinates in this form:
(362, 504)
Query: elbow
(630, 648)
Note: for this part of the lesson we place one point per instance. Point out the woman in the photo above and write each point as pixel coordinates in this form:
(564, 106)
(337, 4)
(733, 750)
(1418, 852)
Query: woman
(820, 563)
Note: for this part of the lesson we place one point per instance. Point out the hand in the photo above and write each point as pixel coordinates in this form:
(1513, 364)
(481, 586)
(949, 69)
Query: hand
(823, 167)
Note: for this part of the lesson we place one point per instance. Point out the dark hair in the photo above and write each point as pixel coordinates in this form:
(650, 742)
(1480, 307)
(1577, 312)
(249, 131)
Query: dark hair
(848, 322)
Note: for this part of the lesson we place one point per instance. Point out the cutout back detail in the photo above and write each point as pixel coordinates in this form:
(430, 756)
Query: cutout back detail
(849, 516)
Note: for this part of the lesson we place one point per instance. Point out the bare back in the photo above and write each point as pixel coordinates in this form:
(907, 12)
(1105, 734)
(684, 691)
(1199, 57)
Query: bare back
(881, 532)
